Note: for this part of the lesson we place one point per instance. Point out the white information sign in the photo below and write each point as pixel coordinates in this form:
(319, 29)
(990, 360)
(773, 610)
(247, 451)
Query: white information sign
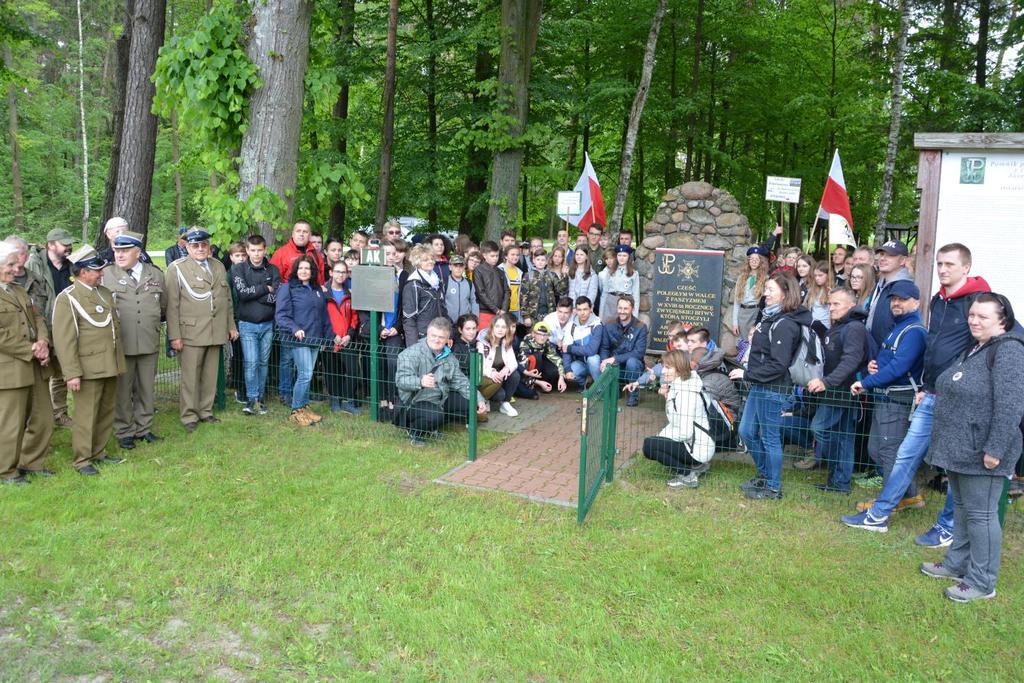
(981, 202)
(779, 189)
(569, 203)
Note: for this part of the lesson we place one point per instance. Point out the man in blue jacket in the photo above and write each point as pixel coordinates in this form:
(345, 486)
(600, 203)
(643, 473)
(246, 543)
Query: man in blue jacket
(623, 343)
(893, 379)
(582, 344)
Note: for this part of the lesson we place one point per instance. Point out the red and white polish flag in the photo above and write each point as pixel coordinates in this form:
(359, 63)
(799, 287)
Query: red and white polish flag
(835, 206)
(591, 199)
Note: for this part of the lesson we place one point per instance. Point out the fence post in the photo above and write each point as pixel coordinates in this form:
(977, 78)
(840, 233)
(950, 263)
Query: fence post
(581, 498)
(611, 410)
(219, 402)
(474, 380)
(374, 369)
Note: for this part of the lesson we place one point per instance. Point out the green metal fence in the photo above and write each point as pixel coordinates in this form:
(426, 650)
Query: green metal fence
(598, 415)
(362, 374)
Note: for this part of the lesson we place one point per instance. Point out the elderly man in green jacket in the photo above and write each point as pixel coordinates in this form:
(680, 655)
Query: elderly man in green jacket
(431, 387)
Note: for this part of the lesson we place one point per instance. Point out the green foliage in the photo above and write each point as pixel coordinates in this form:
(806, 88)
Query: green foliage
(207, 77)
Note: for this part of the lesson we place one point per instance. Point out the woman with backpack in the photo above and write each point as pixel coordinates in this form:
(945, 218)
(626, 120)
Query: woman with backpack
(976, 438)
(773, 348)
(684, 445)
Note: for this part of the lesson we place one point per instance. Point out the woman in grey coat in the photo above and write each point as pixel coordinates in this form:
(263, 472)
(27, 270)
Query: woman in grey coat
(976, 438)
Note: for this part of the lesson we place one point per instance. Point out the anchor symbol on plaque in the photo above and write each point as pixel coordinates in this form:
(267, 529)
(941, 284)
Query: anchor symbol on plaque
(689, 270)
(667, 261)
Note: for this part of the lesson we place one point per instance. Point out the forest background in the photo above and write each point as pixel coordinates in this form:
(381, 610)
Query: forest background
(472, 114)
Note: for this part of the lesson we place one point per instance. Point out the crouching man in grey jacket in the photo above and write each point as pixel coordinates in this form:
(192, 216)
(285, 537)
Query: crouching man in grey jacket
(432, 389)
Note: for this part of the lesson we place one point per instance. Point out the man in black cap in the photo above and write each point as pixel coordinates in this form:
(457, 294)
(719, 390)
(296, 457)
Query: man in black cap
(200, 319)
(892, 268)
(87, 334)
(141, 302)
(176, 250)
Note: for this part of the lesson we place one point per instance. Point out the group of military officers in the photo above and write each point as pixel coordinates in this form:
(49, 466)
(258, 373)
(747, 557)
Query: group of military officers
(99, 335)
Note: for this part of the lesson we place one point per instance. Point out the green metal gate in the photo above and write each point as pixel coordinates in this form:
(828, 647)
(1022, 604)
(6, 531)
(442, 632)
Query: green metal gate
(598, 415)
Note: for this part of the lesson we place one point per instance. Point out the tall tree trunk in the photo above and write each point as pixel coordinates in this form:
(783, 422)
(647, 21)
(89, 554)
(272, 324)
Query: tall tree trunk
(833, 105)
(279, 48)
(709, 157)
(346, 32)
(471, 218)
(895, 111)
(432, 113)
(12, 132)
(634, 117)
(520, 21)
(691, 125)
(85, 135)
(121, 50)
(388, 126)
(981, 48)
(175, 150)
(670, 173)
(138, 136)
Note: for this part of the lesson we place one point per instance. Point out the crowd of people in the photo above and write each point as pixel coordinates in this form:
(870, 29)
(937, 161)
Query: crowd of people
(826, 351)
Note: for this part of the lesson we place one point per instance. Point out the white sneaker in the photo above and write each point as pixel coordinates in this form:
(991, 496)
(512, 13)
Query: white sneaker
(688, 481)
(507, 409)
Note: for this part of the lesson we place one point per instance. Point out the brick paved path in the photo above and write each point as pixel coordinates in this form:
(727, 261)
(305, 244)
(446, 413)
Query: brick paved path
(541, 461)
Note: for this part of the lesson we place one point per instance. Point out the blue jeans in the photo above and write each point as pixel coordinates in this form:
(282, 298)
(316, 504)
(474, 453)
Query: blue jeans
(591, 367)
(256, 340)
(833, 426)
(911, 454)
(285, 370)
(760, 429)
(631, 370)
(305, 358)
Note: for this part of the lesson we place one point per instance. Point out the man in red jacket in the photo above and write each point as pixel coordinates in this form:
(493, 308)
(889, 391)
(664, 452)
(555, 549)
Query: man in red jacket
(283, 258)
(297, 246)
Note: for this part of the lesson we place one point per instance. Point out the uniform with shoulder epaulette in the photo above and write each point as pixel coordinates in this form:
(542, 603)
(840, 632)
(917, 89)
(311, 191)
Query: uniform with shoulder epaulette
(141, 301)
(200, 316)
(25, 416)
(87, 335)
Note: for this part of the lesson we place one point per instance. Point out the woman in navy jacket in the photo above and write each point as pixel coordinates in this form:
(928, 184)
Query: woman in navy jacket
(304, 326)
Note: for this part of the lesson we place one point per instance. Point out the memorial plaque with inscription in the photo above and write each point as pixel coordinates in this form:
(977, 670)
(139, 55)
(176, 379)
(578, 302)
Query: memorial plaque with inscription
(688, 287)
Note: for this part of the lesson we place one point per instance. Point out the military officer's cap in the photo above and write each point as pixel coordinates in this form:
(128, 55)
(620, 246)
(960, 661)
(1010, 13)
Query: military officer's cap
(127, 240)
(86, 257)
(197, 235)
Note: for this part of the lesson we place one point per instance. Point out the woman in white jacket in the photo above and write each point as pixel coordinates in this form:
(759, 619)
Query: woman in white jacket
(500, 366)
(684, 445)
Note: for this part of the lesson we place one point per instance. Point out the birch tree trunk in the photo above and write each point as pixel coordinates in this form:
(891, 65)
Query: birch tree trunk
(12, 132)
(279, 48)
(138, 135)
(634, 118)
(388, 128)
(85, 135)
(896, 108)
(520, 21)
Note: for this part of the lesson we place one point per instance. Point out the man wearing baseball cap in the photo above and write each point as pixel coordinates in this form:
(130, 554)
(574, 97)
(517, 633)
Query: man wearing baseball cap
(893, 379)
(540, 363)
(87, 334)
(892, 268)
(141, 301)
(51, 266)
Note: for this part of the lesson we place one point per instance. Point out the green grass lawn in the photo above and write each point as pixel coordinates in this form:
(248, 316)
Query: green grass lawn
(255, 550)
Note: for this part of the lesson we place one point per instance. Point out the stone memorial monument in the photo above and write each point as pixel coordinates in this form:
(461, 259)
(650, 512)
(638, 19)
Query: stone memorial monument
(693, 217)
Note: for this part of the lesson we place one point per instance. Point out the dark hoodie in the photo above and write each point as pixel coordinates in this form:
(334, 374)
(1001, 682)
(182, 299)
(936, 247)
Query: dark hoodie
(716, 381)
(846, 349)
(948, 334)
(770, 357)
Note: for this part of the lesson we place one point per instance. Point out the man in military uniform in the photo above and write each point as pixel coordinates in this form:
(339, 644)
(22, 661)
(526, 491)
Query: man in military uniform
(25, 419)
(87, 336)
(141, 301)
(200, 320)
